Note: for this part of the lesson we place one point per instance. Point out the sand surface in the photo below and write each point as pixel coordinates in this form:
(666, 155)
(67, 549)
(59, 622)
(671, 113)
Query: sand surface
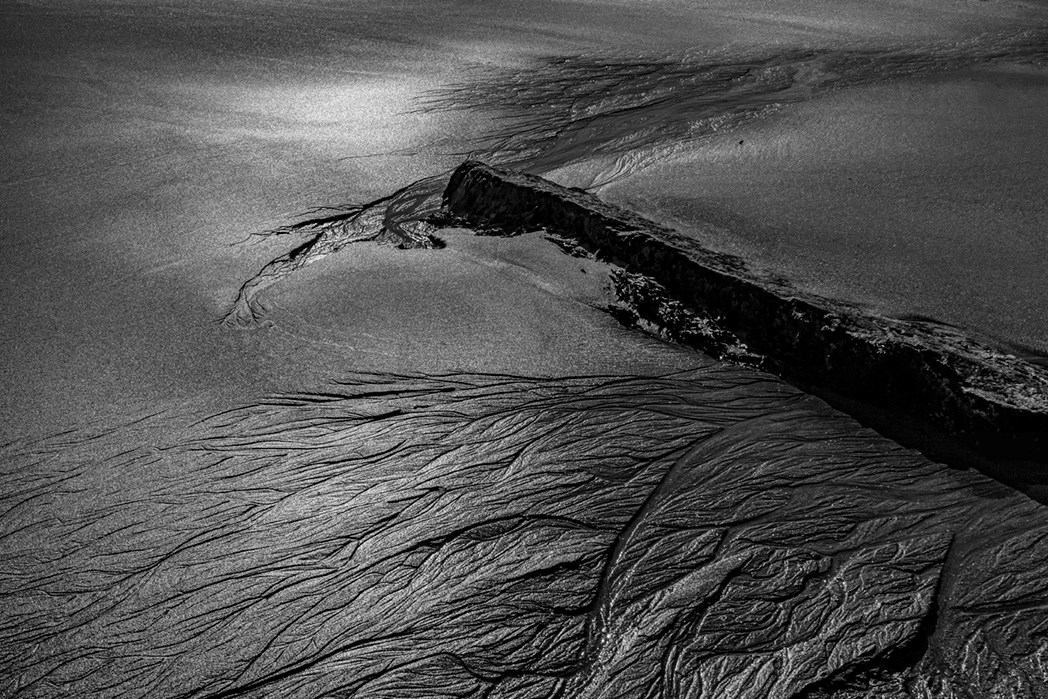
(921, 197)
(143, 143)
(168, 528)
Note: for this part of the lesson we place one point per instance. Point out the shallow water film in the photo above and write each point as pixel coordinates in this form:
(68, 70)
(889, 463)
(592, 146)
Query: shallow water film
(273, 424)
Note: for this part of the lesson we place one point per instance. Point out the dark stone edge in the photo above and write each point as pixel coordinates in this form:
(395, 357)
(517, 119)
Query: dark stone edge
(989, 399)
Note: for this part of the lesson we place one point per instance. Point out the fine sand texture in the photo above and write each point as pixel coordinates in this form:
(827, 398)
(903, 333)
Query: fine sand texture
(922, 197)
(712, 533)
(143, 143)
(266, 430)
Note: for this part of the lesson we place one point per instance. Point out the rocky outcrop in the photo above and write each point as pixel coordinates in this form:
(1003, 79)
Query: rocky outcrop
(929, 372)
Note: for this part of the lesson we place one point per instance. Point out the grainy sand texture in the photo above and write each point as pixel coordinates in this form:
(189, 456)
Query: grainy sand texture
(268, 430)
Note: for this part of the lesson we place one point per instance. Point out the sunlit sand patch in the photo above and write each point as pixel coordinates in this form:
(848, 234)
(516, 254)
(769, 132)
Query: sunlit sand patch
(366, 114)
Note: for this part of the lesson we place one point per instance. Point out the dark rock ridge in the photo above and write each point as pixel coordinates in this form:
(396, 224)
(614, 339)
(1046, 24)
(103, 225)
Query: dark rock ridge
(989, 398)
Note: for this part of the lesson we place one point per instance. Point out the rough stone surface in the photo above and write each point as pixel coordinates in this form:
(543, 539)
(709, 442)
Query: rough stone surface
(990, 398)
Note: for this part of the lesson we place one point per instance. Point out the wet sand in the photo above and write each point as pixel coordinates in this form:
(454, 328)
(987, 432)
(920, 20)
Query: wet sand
(170, 529)
(142, 145)
(922, 197)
